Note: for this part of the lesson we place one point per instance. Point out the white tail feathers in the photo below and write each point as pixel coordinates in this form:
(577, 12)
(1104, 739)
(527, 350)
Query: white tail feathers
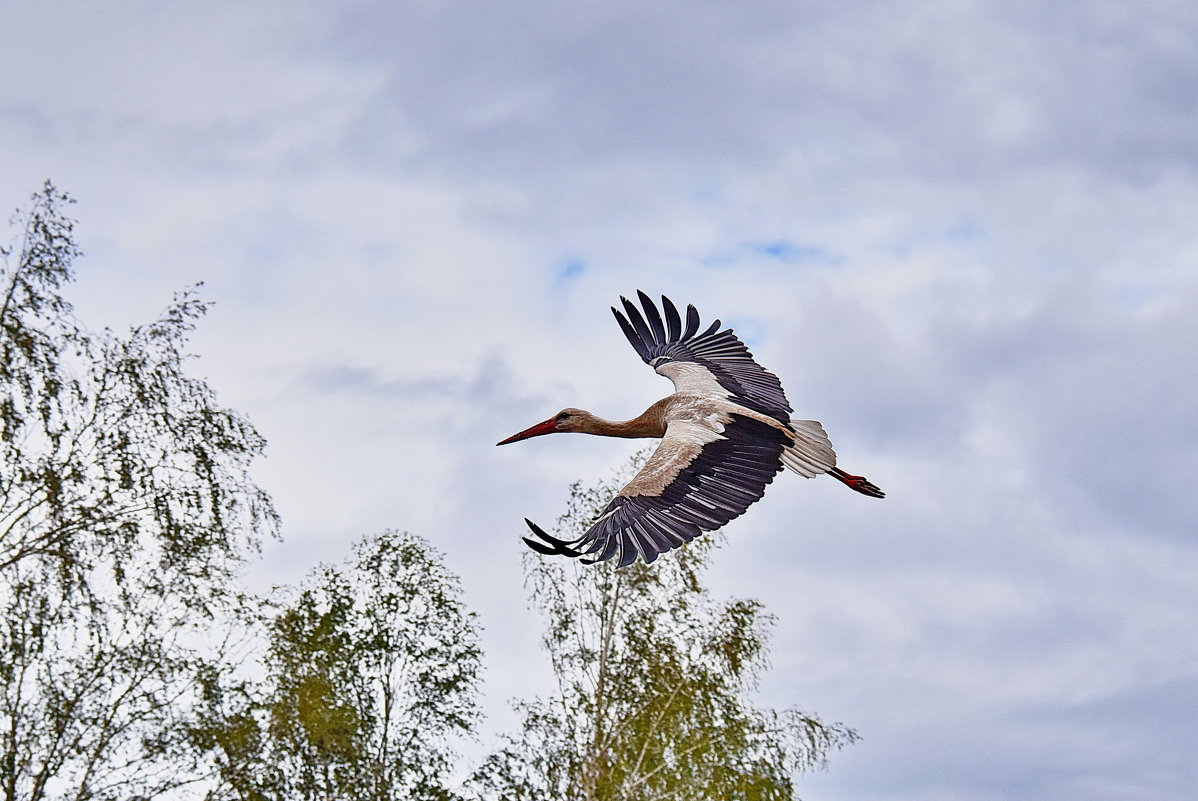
(811, 454)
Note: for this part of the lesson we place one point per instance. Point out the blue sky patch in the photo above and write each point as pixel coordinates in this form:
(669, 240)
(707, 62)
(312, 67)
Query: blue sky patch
(967, 231)
(792, 253)
(781, 250)
(570, 269)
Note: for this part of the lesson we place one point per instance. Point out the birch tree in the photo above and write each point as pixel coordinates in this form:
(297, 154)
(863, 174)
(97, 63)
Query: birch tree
(125, 508)
(372, 673)
(654, 677)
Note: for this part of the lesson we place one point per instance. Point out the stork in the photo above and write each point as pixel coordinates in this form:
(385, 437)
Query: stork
(725, 433)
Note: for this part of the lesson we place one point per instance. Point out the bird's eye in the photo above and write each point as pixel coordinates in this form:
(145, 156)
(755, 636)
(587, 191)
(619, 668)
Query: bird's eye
(562, 416)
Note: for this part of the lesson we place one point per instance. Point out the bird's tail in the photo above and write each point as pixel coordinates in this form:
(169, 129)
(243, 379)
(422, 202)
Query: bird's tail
(811, 452)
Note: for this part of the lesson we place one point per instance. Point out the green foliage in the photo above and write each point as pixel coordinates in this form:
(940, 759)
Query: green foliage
(654, 677)
(109, 448)
(125, 508)
(371, 670)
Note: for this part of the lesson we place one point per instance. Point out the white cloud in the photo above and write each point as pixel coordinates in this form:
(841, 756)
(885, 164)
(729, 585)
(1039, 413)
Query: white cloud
(383, 200)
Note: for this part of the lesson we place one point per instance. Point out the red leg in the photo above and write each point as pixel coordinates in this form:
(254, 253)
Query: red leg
(859, 483)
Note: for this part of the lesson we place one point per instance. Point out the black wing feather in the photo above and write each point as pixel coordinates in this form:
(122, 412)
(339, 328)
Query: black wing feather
(692, 321)
(632, 335)
(638, 323)
(672, 319)
(719, 484)
(659, 330)
(721, 352)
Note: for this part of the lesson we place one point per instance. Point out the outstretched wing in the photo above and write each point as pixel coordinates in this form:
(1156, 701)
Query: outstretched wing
(696, 480)
(720, 353)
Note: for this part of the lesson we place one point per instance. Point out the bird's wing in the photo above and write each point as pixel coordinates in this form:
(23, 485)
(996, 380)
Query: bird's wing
(697, 361)
(696, 480)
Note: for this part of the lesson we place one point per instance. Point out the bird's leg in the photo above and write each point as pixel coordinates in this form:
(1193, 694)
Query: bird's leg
(859, 483)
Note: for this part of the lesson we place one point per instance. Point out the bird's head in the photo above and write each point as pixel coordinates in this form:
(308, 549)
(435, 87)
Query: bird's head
(565, 420)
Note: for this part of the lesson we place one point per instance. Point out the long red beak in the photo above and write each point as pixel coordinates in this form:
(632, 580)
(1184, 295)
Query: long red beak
(547, 427)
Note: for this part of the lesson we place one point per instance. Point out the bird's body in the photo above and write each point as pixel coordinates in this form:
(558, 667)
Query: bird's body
(725, 433)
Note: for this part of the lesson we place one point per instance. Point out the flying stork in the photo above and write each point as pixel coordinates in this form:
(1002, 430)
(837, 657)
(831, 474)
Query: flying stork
(725, 433)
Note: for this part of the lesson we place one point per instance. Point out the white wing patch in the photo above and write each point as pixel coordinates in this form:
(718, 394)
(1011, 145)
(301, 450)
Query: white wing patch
(680, 446)
(689, 377)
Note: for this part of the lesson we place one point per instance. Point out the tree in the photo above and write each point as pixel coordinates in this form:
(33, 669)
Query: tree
(125, 508)
(653, 679)
(371, 670)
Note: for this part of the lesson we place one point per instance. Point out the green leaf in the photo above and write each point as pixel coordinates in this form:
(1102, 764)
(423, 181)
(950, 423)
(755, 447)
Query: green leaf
(654, 683)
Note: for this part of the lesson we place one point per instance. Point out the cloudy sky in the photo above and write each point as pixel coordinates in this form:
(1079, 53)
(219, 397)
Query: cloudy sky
(964, 234)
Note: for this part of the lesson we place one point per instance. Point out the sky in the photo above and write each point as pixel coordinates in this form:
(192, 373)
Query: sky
(963, 234)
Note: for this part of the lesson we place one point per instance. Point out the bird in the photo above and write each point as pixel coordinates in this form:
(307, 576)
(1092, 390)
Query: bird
(725, 432)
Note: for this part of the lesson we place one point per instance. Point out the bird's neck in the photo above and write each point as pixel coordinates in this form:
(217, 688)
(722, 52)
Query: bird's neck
(649, 424)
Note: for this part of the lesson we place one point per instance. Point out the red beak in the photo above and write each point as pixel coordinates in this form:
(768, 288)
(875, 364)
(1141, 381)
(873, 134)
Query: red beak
(547, 427)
